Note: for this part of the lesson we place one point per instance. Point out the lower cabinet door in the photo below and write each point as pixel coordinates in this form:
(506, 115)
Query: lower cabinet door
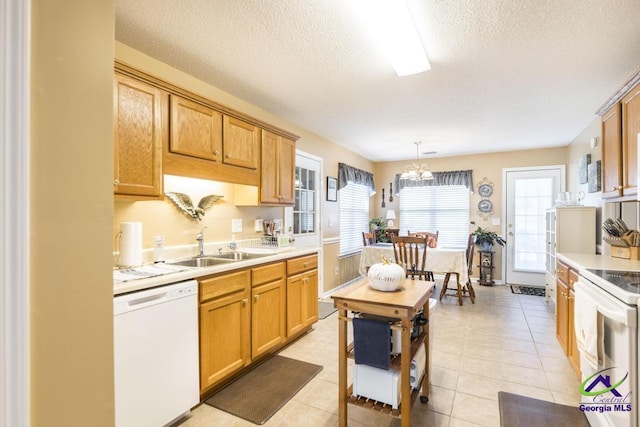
(562, 316)
(302, 301)
(268, 317)
(224, 337)
(574, 353)
(310, 287)
(294, 304)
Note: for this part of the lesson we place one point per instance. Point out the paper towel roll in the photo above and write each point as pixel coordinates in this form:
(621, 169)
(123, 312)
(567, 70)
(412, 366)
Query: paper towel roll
(130, 244)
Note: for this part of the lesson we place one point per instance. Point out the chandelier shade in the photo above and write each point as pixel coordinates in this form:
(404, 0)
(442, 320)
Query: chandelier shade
(416, 171)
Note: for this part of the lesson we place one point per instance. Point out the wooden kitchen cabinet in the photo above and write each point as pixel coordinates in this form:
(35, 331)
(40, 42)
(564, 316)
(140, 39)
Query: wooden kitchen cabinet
(268, 310)
(196, 130)
(620, 128)
(574, 354)
(241, 143)
(198, 137)
(612, 153)
(225, 336)
(302, 293)
(140, 130)
(277, 169)
(630, 130)
(565, 330)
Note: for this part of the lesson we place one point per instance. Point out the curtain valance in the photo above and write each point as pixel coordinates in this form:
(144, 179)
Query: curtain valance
(440, 178)
(347, 174)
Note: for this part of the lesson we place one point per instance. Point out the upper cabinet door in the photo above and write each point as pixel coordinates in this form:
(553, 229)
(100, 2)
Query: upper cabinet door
(612, 153)
(138, 135)
(630, 130)
(277, 169)
(286, 166)
(196, 130)
(241, 143)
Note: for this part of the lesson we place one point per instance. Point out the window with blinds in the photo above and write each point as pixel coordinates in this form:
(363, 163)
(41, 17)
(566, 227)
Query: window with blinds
(442, 208)
(354, 216)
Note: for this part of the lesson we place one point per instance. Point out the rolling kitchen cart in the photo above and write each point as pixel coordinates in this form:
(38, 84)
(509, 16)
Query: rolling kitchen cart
(403, 304)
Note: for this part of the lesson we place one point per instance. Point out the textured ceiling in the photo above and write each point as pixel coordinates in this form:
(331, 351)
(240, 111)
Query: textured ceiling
(505, 74)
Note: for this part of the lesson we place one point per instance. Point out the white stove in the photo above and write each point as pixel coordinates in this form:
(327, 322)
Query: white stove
(624, 285)
(606, 325)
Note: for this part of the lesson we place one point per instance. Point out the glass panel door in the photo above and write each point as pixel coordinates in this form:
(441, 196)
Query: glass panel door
(529, 193)
(304, 210)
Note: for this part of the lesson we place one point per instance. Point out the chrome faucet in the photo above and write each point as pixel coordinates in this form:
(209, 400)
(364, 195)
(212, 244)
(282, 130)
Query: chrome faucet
(200, 239)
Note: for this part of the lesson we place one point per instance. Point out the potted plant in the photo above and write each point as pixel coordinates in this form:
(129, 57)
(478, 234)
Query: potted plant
(486, 238)
(379, 229)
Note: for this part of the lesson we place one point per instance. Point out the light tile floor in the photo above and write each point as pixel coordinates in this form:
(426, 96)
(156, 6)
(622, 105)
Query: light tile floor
(503, 342)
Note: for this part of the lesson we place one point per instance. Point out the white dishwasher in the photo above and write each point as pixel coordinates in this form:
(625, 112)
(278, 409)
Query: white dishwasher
(156, 354)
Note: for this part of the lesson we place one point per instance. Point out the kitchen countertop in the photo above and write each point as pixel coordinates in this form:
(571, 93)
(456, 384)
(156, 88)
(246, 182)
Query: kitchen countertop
(603, 262)
(194, 272)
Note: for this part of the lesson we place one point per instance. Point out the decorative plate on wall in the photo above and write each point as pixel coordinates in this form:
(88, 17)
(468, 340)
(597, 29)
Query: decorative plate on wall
(485, 206)
(485, 190)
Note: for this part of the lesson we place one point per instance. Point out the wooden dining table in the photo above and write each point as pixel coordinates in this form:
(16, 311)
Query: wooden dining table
(439, 260)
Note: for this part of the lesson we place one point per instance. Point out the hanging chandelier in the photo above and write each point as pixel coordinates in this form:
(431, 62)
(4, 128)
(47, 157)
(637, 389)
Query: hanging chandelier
(416, 171)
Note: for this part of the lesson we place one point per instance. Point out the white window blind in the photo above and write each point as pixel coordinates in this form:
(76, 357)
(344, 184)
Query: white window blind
(442, 208)
(354, 216)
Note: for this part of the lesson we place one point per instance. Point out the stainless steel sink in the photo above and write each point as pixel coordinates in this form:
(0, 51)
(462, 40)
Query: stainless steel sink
(237, 256)
(205, 261)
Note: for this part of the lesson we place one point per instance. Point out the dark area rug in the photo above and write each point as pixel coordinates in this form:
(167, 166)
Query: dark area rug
(518, 411)
(325, 309)
(527, 290)
(258, 394)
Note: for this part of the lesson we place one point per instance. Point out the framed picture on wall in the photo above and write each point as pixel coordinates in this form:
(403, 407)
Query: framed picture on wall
(594, 177)
(332, 189)
(583, 163)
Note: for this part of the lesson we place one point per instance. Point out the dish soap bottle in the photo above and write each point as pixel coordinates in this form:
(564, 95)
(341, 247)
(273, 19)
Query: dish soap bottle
(158, 249)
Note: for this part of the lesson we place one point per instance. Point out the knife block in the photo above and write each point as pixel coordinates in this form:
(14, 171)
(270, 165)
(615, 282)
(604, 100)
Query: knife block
(631, 252)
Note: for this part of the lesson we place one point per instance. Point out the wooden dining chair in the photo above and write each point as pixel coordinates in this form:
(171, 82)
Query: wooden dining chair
(411, 254)
(429, 234)
(432, 241)
(368, 238)
(466, 288)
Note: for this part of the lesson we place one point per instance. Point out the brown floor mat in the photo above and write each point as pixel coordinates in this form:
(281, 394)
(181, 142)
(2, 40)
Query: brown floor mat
(517, 411)
(258, 394)
(325, 309)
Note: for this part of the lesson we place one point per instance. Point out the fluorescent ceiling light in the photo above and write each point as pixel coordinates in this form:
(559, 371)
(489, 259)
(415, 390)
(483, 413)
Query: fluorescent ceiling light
(391, 24)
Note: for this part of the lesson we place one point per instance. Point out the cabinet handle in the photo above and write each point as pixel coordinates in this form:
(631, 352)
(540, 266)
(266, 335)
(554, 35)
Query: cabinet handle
(305, 264)
(256, 298)
(116, 182)
(216, 152)
(244, 301)
(228, 156)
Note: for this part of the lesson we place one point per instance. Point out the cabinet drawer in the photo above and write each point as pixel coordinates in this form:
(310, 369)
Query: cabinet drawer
(573, 278)
(224, 284)
(299, 265)
(267, 273)
(562, 272)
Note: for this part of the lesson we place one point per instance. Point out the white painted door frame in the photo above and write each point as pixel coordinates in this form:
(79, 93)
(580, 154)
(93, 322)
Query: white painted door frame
(14, 212)
(505, 200)
(288, 216)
